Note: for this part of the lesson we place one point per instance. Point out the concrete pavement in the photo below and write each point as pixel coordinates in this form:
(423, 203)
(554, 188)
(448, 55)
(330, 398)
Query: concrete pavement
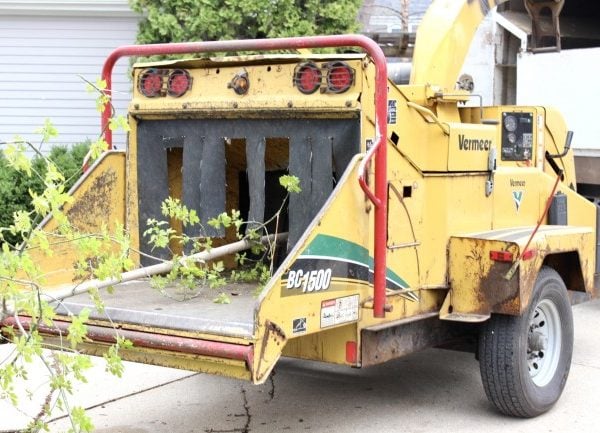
(432, 391)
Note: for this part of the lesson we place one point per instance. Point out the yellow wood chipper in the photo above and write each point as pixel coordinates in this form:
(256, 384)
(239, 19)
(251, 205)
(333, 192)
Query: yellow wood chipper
(421, 221)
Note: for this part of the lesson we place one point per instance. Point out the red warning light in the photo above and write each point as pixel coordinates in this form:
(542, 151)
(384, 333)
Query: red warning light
(502, 256)
(150, 83)
(179, 83)
(340, 77)
(307, 78)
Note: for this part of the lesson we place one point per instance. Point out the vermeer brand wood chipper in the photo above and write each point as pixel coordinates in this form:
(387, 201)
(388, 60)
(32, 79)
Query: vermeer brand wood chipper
(421, 222)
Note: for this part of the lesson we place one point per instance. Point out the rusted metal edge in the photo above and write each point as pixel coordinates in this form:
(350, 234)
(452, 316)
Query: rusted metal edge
(404, 321)
(170, 343)
(270, 329)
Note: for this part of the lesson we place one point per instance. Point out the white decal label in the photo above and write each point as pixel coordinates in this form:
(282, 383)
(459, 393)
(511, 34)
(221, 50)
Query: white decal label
(338, 311)
(310, 281)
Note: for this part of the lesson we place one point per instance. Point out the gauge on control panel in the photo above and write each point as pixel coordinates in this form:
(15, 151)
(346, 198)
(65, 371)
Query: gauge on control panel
(517, 136)
(510, 123)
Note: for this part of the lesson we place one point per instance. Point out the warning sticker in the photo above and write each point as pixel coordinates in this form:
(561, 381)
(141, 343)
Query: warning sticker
(338, 311)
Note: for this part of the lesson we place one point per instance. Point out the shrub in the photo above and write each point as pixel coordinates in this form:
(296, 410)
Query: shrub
(14, 187)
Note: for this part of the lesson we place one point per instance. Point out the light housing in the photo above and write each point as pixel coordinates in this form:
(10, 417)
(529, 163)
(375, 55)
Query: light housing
(240, 83)
(307, 78)
(340, 77)
(502, 256)
(179, 83)
(150, 83)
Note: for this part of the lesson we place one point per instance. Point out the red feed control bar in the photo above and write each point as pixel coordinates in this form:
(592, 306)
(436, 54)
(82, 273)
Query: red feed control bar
(379, 150)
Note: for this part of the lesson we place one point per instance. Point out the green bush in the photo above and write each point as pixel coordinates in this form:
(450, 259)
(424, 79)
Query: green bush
(211, 20)
(15, 187)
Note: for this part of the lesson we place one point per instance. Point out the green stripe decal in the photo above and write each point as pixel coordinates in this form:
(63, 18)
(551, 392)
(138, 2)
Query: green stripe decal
(330, 246)
(334, 247)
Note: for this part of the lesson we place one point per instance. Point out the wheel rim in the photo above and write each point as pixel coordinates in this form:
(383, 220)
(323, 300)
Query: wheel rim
(544, 342)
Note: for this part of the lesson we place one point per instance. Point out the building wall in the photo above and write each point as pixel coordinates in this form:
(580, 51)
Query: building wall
(380, 16)
(47, 49)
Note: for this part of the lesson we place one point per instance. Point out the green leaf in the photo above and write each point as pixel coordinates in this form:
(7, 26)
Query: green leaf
(101, 84)
(47, 131)
(114, 363)
(15, 154)
(53, 175)
(22, 222)
(81, 421)
(97, 148)
(290, 183)
(222, 299)
(222, 220)
(39, 203)
(214, 222)
(119, 122)
(77, 328)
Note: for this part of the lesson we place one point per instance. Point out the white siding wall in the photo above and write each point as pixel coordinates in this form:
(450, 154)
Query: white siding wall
(565, 80)
(40, 60)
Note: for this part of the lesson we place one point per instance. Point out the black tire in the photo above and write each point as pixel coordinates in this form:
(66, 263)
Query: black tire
(521, 375)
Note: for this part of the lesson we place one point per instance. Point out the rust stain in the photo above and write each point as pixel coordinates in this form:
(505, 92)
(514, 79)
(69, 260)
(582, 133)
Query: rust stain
(272, 332)
(528, 276)
(496, 294)
(490, 291)
(91, 209)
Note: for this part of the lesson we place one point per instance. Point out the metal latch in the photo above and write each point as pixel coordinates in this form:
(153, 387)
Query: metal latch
(489, 184)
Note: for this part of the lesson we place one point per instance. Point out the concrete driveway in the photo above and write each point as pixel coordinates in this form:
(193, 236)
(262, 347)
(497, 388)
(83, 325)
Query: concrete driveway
(432, 391)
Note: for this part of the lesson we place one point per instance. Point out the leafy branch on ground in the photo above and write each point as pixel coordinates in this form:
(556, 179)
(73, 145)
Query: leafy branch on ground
(189, 278)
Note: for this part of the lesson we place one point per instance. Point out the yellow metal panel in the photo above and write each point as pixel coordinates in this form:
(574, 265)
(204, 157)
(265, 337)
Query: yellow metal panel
(99, 198)
(447, 111)
(328, 345)
(267, 350)
(163, 358)
(210, 90)
(420, 140)
(481, 286)
(282, 305)
(478, 287)
(470, 146)
(453, 204)
(405, 233)
(168, 331)
(580, 212)
(519, 196)
(131, 200)
(402, 307)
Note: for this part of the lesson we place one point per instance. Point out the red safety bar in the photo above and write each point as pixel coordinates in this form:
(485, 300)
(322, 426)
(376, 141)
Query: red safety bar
(379, 148)
(170, 343)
